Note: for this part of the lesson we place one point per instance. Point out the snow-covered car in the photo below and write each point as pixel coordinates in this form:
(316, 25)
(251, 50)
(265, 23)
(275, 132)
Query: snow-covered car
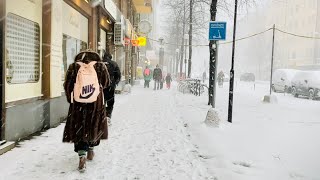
(281, 81)
(306, 83)
(249, 77)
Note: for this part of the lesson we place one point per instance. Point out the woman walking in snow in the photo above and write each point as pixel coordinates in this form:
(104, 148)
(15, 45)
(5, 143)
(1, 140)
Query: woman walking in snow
(147, 77)
(115, 77)
(86, 122)
(168, 80)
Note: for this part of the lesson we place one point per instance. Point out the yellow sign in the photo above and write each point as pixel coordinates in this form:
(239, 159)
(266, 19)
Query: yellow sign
(142, 41)
(139, 72)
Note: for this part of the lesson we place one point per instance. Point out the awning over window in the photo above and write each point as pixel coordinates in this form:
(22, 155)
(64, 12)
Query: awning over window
(143, 6)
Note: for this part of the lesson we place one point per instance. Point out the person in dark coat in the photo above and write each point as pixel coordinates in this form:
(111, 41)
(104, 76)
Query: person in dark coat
(86, 122)
(168, 80)
(157, 77)
(115, 77)
(204, 76)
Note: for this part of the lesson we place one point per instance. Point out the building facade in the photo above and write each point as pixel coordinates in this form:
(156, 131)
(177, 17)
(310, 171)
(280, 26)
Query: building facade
(39, 40)
(299, 17)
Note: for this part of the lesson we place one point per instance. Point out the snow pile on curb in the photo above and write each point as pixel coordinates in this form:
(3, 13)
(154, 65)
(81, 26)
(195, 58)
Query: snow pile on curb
(212, 119)
(127, 88)
(270, 99)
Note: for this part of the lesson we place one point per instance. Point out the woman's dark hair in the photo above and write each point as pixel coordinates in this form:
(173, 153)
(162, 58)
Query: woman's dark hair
(87, 56)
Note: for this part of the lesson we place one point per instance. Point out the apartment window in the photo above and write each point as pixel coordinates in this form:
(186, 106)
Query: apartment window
(294, 55)
(310, 19)
(22, 50)
(310, 2)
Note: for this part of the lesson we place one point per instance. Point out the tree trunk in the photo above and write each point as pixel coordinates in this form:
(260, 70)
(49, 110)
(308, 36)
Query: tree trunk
(190, 39)
(183, 31)
(176, 53)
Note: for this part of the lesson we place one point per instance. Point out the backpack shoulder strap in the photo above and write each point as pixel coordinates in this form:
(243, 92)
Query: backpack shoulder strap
(80, 63)
(92, 63)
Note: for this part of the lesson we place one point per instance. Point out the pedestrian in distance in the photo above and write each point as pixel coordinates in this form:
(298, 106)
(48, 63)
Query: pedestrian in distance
(115, 77)
(204, 76)
(162, 81)
(220, 78)
(147, 77)
(157, 77)
(168, 80)
(87, 121)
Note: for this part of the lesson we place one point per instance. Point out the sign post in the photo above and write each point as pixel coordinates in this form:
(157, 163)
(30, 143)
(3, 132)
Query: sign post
(217, 31)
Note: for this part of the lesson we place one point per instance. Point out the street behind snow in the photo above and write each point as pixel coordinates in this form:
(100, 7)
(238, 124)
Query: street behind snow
(161, 135)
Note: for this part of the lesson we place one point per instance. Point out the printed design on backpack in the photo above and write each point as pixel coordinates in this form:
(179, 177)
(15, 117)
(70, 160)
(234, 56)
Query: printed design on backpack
(86, 89)
(147, 72)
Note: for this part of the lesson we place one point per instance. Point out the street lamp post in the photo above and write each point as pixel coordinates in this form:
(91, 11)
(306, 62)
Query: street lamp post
(161, 52)
(272, 59)
(230, 108)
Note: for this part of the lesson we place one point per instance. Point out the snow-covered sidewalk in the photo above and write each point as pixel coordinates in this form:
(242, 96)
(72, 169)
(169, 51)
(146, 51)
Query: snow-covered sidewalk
(160, 135)
(148, 140)
(265, 141)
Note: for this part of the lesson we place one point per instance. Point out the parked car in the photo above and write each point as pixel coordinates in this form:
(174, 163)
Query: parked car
(281, 81)
(306, 83)
(249, 77)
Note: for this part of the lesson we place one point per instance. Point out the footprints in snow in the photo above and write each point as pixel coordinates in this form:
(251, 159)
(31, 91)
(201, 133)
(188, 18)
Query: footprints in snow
(243, 164)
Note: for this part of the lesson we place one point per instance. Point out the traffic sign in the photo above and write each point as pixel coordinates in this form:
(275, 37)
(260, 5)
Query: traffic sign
(142, 41)
(135, 42)
(217, 30)
(127, 41)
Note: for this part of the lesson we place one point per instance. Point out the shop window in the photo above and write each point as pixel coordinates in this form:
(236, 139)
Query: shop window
(70, 48)
(294, 56)
(22, 50)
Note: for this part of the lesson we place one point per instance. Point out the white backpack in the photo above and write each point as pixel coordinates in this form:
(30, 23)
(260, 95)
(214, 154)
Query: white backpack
(87, 88)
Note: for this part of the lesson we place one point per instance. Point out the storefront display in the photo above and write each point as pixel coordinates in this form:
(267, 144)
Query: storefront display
(70, 48)
(103, 41)
(22, 50)
(74, 36)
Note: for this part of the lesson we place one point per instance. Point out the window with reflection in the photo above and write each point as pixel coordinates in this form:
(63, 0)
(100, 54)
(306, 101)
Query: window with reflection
(70, 48)
(22, 50)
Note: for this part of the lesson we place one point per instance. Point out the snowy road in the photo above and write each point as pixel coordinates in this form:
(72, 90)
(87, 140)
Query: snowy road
(148, 141)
